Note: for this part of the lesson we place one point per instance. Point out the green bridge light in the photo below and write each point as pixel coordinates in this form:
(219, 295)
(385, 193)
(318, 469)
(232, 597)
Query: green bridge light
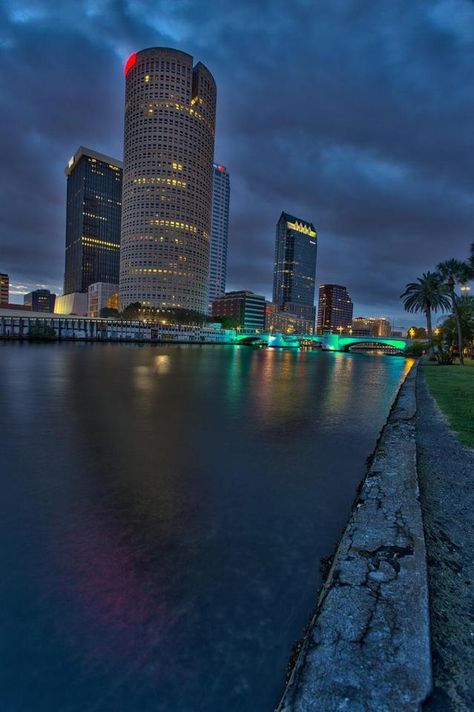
(329, 342)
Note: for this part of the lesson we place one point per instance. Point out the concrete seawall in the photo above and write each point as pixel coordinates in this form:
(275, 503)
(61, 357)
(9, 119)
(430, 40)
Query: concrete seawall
(368, 645)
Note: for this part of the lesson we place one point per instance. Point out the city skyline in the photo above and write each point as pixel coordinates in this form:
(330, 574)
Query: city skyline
(384, 197)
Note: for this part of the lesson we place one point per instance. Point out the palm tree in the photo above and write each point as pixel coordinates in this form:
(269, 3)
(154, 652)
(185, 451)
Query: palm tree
(454, 272)
(428, 294)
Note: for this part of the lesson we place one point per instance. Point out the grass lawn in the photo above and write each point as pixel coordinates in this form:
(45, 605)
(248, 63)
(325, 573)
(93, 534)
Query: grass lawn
(453, 388)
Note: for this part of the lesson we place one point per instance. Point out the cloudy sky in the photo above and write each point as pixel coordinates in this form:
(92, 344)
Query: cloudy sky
(355, 114)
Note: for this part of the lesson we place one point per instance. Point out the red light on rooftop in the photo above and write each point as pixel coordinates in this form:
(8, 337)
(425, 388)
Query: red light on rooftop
(221, 169)
(131, 62)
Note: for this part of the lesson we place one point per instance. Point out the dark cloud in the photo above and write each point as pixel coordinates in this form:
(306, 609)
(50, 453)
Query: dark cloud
(354, 114)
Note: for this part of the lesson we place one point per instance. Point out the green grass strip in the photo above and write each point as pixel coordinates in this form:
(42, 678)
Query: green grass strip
(453, 388)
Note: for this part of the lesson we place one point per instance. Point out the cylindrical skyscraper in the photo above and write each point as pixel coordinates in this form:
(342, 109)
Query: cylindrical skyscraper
(170, 109)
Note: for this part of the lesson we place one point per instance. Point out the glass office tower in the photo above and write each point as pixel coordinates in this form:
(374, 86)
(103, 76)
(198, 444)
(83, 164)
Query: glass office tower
(295, 266)
(93, 217)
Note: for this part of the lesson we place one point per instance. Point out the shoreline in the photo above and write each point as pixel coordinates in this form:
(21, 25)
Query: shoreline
(377, 656)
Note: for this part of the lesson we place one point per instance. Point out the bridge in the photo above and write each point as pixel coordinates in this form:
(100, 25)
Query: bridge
(328, 341)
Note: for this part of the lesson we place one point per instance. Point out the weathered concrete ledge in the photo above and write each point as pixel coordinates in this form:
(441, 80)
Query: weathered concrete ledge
(368, 645)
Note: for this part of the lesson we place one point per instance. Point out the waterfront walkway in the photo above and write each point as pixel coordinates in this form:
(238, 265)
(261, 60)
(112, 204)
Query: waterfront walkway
(446, 480)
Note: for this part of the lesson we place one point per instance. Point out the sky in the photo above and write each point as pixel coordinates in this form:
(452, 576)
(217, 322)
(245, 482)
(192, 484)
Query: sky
(356, 115)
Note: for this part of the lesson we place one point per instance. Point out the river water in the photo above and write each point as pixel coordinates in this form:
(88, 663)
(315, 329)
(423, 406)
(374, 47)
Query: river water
(163, 515)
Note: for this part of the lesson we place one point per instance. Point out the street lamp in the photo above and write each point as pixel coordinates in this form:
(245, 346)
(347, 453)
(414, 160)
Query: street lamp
(437, 331)
(465, 288)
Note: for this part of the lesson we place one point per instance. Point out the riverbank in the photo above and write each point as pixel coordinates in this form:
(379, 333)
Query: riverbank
(446, 476)
(368, 645)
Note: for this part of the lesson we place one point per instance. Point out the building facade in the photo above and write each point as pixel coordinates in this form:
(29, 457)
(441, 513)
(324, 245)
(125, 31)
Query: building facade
(16, 324)
(362, 326)
(93, 217)
(295, 266)
(170, 108)
(219, 232)
(101, 295)
(285, 322)
(335, 308)
(72, 303)
(246, 308)
(40, 300)
(4, 288)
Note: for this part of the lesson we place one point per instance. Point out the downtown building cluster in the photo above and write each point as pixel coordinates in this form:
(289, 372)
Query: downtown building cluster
(151, 231)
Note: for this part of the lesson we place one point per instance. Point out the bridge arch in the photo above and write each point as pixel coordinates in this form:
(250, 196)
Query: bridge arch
(347, 343)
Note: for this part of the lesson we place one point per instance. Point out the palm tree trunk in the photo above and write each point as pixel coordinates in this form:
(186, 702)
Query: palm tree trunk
(429, 329)
(458, 326)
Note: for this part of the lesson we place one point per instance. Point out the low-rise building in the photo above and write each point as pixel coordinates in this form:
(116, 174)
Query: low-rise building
(285, 322)
(15, 307)
(72, 303)
(16, 324)
(363, 326)
(246, 308)
(40, 300)
(101, 295)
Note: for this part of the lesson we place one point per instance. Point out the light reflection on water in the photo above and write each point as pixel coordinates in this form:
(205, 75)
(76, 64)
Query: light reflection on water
(163, 515)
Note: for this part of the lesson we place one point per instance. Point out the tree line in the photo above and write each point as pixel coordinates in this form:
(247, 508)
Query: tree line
(177, 315)
(437, 291)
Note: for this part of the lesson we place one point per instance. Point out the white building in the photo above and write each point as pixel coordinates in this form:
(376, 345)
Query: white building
(219, 233)
(73, 303)
(101, 295)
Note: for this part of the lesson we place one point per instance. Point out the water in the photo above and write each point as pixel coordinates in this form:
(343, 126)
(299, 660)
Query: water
(163, 515)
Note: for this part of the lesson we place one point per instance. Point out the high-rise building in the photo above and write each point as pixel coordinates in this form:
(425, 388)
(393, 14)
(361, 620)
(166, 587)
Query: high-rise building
(170, 108)
(295, 266)
(40, 300)
(334, 308)
(219, 232)
(247, 309)
(94, 206)
(4, 288)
